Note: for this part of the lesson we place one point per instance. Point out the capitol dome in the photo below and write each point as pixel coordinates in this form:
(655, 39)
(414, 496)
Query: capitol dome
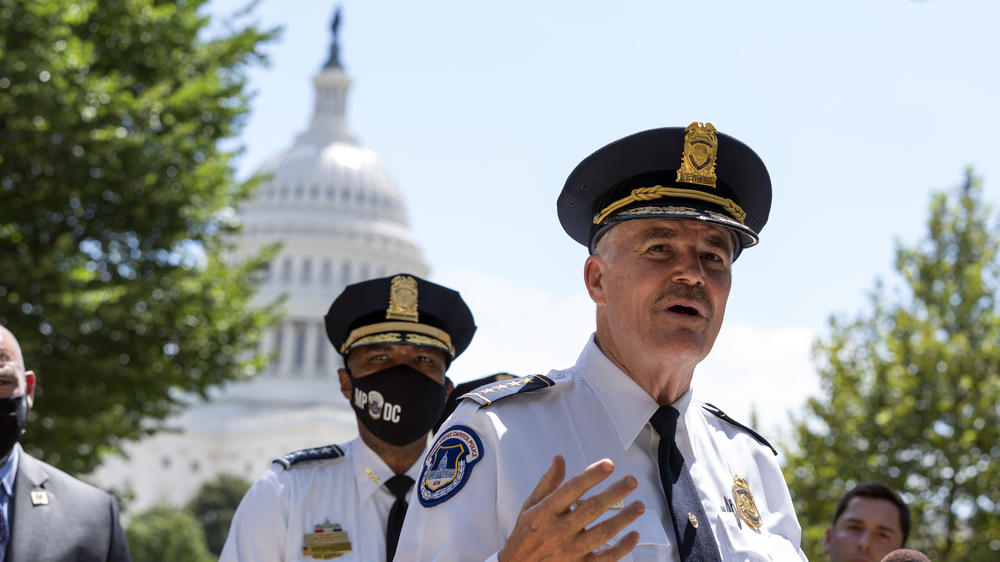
(340, 219)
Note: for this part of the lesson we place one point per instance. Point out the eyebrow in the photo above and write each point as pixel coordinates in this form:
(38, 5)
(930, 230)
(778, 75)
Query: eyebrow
(657, 232)
(722, 241)
(879, 526)
(716, 238)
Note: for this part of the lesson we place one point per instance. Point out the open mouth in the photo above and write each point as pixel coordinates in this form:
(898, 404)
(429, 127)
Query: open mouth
(681, 309)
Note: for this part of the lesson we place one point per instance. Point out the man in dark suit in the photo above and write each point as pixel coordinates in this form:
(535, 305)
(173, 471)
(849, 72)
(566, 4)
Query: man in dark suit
(45, 514)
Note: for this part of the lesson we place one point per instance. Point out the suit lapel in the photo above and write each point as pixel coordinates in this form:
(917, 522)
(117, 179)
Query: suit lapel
(29, 515)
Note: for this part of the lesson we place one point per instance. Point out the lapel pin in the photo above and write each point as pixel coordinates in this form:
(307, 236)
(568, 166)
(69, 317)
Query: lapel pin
(39, 497)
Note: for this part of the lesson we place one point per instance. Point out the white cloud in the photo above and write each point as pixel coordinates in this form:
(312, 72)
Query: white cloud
(766, 369)
(522, 330)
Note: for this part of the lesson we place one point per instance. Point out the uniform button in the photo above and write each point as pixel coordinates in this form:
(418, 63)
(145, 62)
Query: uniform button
(693, 520)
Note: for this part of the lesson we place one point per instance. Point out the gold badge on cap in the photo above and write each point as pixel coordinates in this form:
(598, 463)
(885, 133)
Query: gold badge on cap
(402, 299)
(701, 145)
(325, 542)
(39, 497)
(745, 506)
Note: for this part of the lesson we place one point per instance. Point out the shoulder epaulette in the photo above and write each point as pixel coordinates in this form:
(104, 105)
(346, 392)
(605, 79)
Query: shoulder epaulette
(487, 395)
(714, 410)
(315, 453)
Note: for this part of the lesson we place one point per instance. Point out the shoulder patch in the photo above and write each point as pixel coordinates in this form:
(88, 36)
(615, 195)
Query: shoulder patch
(715, 411)
(491, 393)
(313, 454)
(449, 464)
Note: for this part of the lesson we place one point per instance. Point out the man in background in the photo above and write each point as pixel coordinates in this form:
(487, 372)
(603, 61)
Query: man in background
(47, 515)
(870, 521)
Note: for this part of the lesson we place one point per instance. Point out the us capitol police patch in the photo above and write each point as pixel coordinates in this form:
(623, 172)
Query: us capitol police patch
(449, 464)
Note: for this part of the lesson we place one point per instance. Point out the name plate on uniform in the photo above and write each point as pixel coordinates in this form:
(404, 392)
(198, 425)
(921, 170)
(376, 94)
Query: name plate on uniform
(325, 542)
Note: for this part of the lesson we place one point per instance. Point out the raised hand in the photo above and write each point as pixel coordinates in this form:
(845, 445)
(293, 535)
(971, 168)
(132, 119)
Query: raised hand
(553, 522)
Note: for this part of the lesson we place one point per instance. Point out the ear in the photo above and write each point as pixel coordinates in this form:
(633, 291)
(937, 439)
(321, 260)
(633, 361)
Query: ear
(29, 387)
(826, 540)
(593, 276)
(345, 383)
(449, 387)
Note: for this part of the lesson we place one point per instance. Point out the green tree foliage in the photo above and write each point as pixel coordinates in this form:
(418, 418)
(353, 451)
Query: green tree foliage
(911, 392)
(116, 212)
(167, 533)
(214, 505)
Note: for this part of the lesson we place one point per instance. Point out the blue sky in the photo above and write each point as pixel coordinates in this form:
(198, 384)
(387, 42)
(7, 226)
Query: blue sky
(479, 111)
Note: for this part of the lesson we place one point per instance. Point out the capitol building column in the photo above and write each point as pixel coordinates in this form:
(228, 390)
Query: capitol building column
(309, 365)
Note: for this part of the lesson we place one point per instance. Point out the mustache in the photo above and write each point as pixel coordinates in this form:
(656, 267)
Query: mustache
(690, 293)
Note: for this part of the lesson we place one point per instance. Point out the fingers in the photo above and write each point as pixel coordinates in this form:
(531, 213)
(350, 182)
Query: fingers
(591, 508)
(587, 511)
(548, 482)
(606, 530)
(547, 526)
(618, 550)
(567, 494)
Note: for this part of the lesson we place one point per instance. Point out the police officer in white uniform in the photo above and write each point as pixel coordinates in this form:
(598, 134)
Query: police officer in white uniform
(398, 335)
(655, 474)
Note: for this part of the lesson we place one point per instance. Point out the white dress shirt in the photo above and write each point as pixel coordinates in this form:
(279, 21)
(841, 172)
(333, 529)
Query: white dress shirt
(595, 411)
(284, 505)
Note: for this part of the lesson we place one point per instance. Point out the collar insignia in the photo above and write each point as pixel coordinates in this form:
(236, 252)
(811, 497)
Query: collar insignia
(700, 148)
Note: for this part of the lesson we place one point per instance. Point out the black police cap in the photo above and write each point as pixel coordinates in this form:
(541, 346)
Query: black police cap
(401, 309)
(683, 173)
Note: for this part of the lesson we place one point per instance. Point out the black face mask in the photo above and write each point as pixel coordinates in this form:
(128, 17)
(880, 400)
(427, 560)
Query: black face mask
(398, 404)
(13, 415)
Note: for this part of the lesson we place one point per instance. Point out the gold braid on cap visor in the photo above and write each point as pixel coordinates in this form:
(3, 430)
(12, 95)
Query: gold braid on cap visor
(658, 191)
(438, 338)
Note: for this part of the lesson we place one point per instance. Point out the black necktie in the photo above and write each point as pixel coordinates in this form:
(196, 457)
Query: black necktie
(691, 526)
(399, 485)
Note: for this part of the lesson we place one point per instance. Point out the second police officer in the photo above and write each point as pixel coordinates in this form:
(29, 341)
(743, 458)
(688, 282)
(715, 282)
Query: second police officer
(398, 335)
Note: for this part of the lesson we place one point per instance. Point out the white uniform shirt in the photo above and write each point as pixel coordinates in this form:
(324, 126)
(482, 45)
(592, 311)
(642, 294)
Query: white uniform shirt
(594, 411)
(284, 505)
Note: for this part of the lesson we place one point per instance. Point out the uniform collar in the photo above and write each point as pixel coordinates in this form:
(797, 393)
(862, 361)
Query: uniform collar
(371, 472)
(627, 404)
(683, 405)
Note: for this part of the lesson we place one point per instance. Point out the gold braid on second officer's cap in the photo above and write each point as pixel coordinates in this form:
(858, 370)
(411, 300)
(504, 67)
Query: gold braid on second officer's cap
(400, 309)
